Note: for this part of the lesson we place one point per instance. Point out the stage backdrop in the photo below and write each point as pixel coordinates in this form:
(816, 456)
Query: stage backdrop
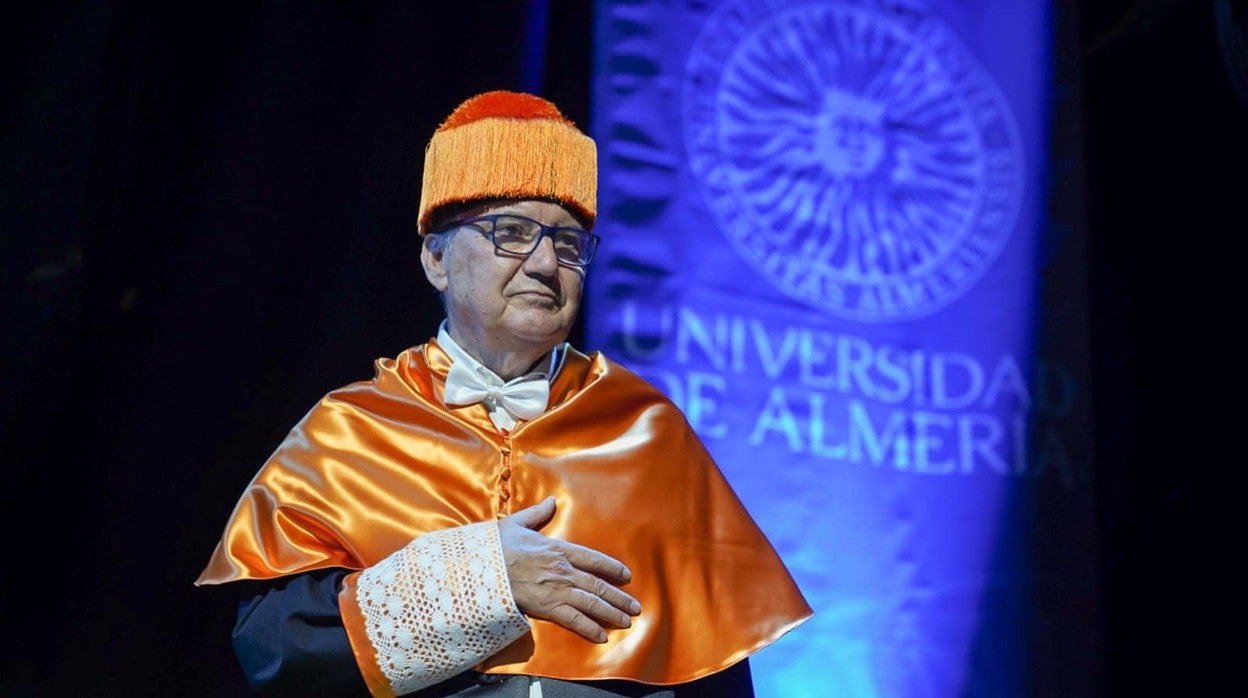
(844, 236)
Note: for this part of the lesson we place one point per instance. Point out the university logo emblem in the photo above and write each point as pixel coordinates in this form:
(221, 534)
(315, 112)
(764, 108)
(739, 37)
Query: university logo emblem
(856, 156)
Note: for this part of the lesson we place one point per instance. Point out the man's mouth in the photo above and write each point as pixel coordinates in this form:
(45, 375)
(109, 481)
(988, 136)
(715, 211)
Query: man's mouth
(546, 296)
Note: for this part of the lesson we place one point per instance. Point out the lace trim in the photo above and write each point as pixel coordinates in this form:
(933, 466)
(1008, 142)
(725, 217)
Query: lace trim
(439, 606)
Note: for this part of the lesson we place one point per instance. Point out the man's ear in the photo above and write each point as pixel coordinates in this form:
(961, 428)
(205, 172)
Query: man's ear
(431, 258)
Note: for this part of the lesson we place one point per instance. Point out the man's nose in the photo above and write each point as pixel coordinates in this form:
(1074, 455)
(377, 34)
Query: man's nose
(543, 259)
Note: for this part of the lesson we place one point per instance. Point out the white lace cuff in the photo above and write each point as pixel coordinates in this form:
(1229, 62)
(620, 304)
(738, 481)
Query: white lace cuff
(439, 606)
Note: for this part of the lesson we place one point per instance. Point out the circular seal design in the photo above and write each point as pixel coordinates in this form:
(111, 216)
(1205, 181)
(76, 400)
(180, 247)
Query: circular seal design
(860, 160)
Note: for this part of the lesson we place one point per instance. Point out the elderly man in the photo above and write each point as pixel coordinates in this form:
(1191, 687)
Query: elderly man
(495, 512)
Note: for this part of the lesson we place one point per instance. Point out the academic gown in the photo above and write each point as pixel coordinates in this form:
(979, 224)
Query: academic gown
(379, 462)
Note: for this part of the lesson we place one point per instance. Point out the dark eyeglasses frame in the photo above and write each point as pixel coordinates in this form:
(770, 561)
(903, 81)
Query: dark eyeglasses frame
(589, 240)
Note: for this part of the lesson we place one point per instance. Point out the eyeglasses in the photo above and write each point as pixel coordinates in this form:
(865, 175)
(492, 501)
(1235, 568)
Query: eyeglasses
(520, 236)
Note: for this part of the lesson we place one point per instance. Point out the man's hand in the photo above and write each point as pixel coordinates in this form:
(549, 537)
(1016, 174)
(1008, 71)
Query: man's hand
(565, 583)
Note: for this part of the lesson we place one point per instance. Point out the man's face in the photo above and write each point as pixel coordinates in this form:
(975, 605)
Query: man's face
(500, 304)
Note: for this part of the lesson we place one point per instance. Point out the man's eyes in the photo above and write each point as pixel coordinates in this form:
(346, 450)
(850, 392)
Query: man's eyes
(570, 241)
(513, 230)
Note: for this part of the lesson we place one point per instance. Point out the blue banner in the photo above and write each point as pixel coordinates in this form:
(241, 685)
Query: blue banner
(830, 236)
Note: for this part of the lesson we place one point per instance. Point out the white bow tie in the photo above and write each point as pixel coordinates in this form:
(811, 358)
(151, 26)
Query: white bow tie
(523, 398)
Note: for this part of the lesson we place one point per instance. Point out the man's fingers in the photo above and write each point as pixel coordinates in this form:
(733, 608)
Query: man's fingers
(598, 564)
(535, 516)
(604, 611)
(588, 615)
(617, 605)
(579, 623)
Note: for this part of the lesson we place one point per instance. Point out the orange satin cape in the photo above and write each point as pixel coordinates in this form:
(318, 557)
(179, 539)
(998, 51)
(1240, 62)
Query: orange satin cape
(376, 463)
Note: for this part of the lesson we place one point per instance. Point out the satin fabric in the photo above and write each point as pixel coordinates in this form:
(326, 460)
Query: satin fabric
(376, 463)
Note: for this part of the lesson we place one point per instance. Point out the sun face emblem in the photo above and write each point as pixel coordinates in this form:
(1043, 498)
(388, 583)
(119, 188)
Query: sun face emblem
(860, 161)
(849, 135)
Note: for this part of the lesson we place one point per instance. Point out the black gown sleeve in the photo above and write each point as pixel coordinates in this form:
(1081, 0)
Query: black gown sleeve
(290, 640)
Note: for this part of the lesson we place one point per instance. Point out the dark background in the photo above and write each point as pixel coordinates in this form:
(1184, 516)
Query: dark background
(208, 223)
